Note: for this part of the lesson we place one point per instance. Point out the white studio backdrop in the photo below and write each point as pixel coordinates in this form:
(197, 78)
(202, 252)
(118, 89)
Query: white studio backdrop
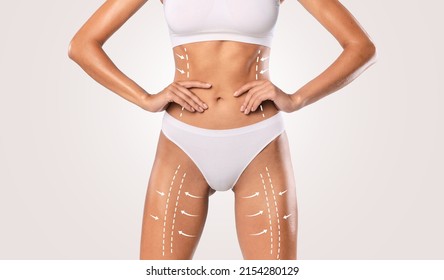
(75, 158)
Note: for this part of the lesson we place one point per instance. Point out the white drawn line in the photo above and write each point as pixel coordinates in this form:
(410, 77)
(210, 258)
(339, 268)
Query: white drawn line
(161, 193)
(154, 217)
(259, 233)
(184, 234)
(186, 214)
(193, 196)
(281, 193)
(175, 210)
(253, 195)
(277, 214)
(269, 214)
(166, 211)
(257, 214)
(263, 71)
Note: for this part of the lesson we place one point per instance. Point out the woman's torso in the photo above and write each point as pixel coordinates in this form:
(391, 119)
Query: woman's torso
(226, 65)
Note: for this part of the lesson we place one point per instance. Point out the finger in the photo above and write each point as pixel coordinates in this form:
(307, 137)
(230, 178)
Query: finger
(265, 93)
(194, 97)
(177, 99)
(246, 87)
(171, 96)
(189, 84)
(187, 96)
(252, 92)
(256, 100)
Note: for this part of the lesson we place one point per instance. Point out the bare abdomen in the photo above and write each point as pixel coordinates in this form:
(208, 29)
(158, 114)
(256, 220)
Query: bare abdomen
(227, 66)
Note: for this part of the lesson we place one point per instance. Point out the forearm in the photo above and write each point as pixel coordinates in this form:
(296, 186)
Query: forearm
(354, 59)
(96, 63)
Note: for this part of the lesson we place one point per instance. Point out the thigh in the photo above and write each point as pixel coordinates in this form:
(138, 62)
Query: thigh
(266, 207)
(176, 205)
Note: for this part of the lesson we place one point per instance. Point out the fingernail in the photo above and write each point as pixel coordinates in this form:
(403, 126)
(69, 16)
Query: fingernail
(234, 94)
(200, 109)
(242, 107)
(246, 112)
(192, 109)
(208, 84)
(205, 106)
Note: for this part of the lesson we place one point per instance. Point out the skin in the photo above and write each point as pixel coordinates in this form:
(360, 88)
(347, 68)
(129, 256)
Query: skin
(232, 99)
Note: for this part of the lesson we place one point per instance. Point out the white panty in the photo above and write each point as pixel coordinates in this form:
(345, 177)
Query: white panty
(222, 154)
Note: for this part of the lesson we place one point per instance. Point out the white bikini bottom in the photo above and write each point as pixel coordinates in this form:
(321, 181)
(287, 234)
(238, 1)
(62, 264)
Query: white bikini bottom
(222, 154)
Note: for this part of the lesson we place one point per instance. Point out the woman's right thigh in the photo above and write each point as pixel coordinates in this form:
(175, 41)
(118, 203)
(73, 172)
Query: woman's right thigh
(176, 205)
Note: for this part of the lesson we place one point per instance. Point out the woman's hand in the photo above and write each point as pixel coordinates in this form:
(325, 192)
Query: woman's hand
(178, 92)
(261, 90)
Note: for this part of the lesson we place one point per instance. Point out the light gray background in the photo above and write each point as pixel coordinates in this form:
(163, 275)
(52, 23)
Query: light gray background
(75, 157)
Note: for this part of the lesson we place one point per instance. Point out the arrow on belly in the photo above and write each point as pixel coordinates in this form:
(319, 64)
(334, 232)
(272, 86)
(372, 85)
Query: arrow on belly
(253, 195)
(180, 70)
(181, 56)
(286, 216)
(184, 234)
(264, 58)
(193, 196)
(263, 71)
(259, 233)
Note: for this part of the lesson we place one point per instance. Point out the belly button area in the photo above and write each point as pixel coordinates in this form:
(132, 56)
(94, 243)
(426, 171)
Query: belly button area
(218, 98)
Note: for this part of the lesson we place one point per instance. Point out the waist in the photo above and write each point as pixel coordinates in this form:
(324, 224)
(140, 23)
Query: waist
(223, 110)
(227, 66)
(275, 122)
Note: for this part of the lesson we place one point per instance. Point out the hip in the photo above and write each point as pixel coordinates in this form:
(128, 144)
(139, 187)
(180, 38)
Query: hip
(223, 113)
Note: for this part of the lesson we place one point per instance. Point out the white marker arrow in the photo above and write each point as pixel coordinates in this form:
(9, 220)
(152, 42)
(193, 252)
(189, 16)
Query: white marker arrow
(264, 58)
(258, 213)
(193, 196)
(181, 56)
(286, 216)
(259, 233)
(161, 193)
(253, 195)
(184, 234)
(186, 214)
(281, 193)
(263, 71)
(180, 70)
(154, 217)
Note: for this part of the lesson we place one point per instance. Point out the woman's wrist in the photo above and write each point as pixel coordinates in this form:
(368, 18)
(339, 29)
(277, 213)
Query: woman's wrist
(297, 101)
(144, 101)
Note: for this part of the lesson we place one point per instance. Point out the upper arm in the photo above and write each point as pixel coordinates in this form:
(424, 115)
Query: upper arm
(337, 20)
(107, 19)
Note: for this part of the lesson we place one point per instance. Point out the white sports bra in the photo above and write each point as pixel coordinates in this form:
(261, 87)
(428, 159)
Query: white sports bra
(250, 21)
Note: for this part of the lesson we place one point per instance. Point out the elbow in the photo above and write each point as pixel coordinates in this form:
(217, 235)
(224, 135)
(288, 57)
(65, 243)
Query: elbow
(369, 52)
(73, 50)
(364, 51)
(81, 50)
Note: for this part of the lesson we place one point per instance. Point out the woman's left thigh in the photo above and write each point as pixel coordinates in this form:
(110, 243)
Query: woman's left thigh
(266, 206)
